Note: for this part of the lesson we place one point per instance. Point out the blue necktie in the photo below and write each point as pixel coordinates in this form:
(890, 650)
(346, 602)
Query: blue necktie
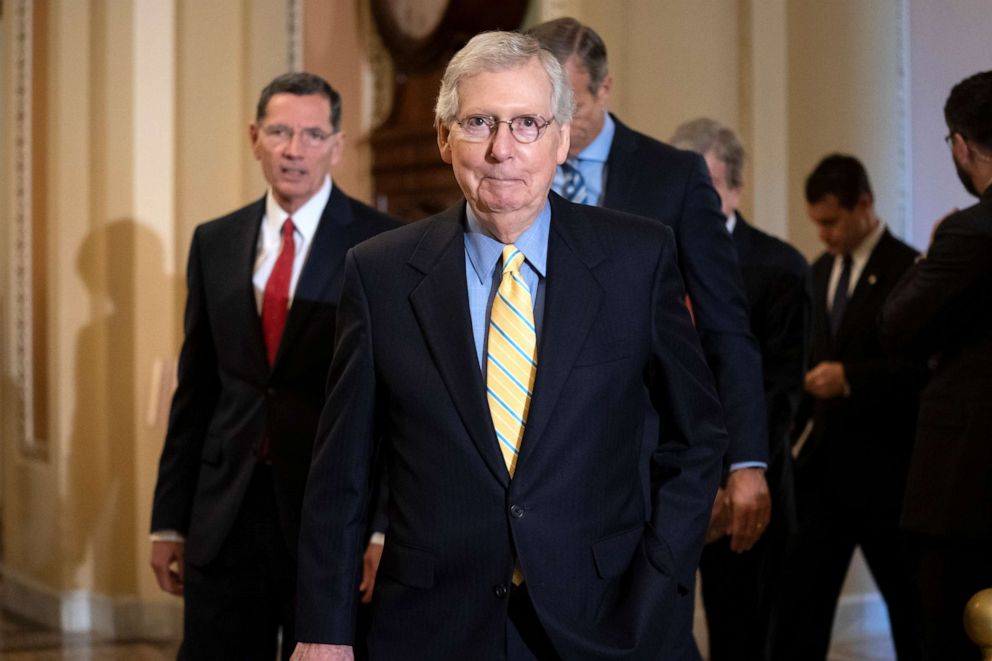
(840, 296)
(574, 187)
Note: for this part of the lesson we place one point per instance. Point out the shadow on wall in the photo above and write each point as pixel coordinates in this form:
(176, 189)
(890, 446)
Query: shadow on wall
(117, 262)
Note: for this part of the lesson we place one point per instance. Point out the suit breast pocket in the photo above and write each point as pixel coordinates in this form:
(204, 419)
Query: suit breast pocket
(596, 353)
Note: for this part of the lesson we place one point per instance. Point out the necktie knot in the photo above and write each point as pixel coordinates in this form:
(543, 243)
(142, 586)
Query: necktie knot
(287, 229)
(512, 259)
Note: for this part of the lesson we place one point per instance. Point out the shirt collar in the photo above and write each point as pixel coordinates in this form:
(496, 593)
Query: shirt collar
(731, 222)
(861, 254)
(599, 149)
(306, 218)
(484, 251)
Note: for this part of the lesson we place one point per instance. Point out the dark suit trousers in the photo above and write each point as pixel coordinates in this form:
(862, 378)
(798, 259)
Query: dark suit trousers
(816, 564)
(236, 605)
(738, 589)
(951, 571)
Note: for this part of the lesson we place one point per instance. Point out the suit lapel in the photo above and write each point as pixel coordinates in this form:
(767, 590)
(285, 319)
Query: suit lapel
(863, 291)
(245, 316)
(572, 297)
(822, 338)
(332, 239)
(620, 167)
(742, 238)
(440, 303)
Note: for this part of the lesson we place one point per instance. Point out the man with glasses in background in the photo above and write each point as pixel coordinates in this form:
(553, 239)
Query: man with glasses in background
(263, 287)
(942, 309)
(502, 357)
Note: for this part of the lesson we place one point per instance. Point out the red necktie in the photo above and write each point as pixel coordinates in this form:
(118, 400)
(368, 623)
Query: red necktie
(275, 303)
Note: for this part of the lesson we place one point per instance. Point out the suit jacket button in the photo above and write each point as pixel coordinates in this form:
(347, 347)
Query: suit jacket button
(517, 512)
(501, 591)
(271, 392)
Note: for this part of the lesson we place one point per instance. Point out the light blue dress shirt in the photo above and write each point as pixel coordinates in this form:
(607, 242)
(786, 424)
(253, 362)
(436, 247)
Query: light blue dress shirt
(591, 162)
(483, 254)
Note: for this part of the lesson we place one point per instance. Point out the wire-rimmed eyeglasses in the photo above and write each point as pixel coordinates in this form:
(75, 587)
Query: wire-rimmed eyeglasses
(524, 128)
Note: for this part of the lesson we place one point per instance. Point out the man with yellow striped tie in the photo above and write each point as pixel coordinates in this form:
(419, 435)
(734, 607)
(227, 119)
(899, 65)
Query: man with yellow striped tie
(502, 358)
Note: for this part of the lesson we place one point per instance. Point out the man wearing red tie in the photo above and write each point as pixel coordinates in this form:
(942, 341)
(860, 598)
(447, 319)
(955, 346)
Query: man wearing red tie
(263, 287)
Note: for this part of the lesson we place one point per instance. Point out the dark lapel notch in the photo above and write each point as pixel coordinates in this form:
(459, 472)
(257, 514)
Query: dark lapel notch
(440, 303)
(620, 168)
(864, 290)
(336, 232)
(572, 297)
(244, 245)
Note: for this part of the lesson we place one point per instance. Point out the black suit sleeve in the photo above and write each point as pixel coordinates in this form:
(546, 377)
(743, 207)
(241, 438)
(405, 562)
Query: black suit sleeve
(686, 463)
(708, 260)
(192, 406)
(339, 488)
(785, 343)
(930, 301)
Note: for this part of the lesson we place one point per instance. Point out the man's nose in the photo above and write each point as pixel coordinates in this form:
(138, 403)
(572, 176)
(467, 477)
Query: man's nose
(503, 142)
(294, 146)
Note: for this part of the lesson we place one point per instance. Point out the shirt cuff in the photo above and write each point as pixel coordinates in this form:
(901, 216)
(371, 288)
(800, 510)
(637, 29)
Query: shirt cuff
(378, 538)
(167, 536)
(748, 464)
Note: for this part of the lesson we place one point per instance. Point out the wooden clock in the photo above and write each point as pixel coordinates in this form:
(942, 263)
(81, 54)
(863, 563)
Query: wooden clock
(410, 180)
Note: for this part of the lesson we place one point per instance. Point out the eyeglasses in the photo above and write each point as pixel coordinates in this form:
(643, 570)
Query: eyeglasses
(280, 134)
(524, 128)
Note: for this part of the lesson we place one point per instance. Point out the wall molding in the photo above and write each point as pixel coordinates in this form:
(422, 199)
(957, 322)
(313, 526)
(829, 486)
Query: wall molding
(22, 263)
(84, 611)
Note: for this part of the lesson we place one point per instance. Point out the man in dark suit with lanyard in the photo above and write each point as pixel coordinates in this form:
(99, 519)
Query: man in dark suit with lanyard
(502, 357)
(263, 287)
(739, 589)
(942, 308)
(851, 466)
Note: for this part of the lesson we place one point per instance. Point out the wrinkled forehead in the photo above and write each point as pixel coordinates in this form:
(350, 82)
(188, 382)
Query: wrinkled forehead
(525, 85)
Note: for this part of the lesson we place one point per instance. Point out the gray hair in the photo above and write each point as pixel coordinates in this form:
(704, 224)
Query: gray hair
(493, 52)
(566, 37)
(703, 135)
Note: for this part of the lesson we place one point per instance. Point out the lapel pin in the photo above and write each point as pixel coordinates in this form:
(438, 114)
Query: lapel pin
(872, 279)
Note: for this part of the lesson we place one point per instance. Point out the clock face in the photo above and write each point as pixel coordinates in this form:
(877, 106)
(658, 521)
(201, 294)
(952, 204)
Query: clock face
(417, 19)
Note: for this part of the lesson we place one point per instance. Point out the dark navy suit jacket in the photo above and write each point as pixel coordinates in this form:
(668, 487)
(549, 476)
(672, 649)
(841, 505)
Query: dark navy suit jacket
(649, 178)
(943, 308)
(604, 575)
(228, 397)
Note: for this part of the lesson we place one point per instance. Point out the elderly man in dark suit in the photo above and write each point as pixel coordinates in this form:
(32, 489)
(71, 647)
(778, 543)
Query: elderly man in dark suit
(851, 468)
(502, 356)
(263, 287)
(943, 308)
(739, 588)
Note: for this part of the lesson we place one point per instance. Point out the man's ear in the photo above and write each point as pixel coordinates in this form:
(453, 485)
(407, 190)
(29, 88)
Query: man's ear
(565, 141)
(443, 144)
(865, 201)
(605, 87)
(337, 147)
(254, 135)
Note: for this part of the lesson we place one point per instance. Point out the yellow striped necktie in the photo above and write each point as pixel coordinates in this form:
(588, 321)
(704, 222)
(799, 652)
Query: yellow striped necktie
(511, 357)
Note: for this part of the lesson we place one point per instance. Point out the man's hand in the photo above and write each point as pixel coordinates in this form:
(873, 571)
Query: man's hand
(826, 380)
(370, 566)
(167, 563)
(750, 507)
(719, 517)
(318, 652)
